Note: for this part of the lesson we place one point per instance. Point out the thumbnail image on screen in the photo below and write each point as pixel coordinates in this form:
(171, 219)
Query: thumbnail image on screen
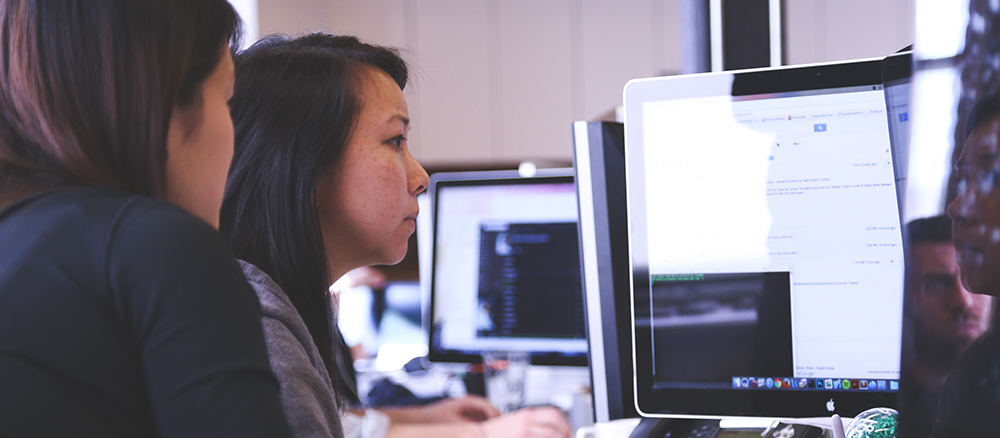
(523, 270)
(708, 328)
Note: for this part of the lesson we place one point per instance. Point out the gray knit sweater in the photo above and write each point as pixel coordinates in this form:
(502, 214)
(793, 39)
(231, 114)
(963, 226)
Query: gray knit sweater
(306, 391)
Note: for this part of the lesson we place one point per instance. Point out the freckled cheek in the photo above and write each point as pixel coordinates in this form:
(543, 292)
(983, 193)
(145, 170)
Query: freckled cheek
(970, 265)
(391, 182)
(989, 207)
(975, 262)
(990, 140)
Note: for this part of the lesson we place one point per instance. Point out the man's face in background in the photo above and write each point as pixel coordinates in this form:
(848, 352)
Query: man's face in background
(948, 316)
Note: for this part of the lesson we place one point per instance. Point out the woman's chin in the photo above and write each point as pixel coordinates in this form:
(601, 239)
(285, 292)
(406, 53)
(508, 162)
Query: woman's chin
(392, 258)
(396, 260)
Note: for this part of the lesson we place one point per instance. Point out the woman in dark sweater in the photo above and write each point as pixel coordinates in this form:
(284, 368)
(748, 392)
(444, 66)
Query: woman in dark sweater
(323, 182)
(122, 311)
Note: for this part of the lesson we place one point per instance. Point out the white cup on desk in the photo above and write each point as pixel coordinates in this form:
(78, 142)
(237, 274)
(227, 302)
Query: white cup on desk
(612, 429)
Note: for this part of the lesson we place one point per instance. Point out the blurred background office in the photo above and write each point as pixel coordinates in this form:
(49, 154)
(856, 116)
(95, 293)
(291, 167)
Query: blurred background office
(499, 81)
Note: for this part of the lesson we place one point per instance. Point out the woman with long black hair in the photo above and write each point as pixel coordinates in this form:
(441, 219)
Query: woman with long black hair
(323, 182)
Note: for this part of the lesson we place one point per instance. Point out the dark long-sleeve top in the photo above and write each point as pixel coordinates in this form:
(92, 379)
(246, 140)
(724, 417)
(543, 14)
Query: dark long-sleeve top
(969, 406)
(125, 316)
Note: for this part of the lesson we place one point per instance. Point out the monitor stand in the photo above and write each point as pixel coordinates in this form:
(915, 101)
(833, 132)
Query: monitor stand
(674, 428)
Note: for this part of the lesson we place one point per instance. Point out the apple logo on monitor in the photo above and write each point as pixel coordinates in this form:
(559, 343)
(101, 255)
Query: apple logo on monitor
(829, 406)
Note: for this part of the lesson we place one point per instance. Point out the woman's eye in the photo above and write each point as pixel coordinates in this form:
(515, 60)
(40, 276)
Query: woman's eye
(987, 182)
(994, 179)
(397, 141)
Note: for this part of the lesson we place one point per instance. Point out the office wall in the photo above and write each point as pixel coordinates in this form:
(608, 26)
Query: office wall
(833, 30)
(501, 80)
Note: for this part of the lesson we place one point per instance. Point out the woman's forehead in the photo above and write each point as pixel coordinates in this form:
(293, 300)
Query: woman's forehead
(383, 100)
(983, 144)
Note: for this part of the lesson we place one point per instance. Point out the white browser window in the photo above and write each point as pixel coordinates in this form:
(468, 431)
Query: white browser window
(798, 183)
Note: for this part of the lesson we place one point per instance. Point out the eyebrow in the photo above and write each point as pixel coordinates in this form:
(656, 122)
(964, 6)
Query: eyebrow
(401, 118)
(987, 157)
(984, 157)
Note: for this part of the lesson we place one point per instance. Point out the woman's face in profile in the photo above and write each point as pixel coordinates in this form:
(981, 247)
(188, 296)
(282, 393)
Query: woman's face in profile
(200, 146)
(368, 202)
(975, 212)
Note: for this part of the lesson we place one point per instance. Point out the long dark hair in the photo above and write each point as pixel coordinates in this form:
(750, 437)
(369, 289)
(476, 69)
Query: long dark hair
(295, 106)
(87, 87)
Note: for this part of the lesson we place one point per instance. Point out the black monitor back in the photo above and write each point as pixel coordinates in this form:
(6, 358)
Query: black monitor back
(599, 160)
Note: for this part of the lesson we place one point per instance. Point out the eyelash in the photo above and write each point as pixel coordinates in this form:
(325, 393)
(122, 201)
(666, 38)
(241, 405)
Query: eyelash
(397, 141)
(994, 176)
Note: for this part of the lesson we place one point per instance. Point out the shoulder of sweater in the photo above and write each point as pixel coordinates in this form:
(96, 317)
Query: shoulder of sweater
(273, 301)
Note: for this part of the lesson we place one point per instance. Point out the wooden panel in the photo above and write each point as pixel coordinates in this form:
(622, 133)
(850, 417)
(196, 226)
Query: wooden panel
(452, 80)
(836, 30)
(292, 17)
(906, 22)
(666, 36)
(617, 47)
(802, 44)
(534, 92)
(861, 29)
(375, 21)
(497, 80)
(501, 80)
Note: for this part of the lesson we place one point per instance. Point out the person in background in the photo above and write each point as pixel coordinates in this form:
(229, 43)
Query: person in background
(946, 317)
(122, 311)
(323, 182)
(970, 399)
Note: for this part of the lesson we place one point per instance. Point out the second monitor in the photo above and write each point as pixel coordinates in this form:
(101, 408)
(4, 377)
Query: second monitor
(506, 267)
(765, 240)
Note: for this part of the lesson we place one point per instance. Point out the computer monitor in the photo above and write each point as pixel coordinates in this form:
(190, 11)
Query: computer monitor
(766, 250)
(599, 158)
(897, 71)
(505, 271)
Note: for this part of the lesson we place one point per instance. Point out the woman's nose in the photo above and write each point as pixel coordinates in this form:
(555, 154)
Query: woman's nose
(962, 208)
(418, 176)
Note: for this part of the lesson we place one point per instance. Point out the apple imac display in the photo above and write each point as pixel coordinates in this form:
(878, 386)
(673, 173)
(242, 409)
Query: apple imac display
(505, 269)
(766, 250)
(599, 160)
